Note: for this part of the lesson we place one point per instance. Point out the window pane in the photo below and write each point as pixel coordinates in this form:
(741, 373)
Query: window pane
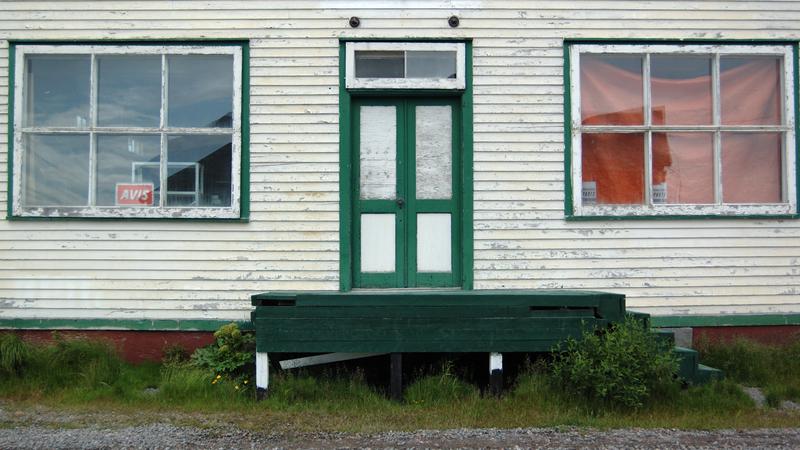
(751, 168)
(611, 90)
(126, 159)
(613, 164)
(57, 91)
(683, 168)
(56, 170)
(377, 152)
(423, 64)
(681, 90)
(434, 243)
(377, 243)
(129, 91)
(377, 64)
(199, 171)
(750, 90)
(434, 147)
(200, 91)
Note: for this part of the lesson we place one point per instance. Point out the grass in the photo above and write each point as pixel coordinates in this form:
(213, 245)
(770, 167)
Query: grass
(89, 377)
(776, 369)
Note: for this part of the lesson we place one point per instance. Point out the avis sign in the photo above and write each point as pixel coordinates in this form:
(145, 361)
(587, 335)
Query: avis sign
(135, 194)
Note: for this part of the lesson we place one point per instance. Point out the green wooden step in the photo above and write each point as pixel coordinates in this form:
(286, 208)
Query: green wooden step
(687, 363)
(707, 374)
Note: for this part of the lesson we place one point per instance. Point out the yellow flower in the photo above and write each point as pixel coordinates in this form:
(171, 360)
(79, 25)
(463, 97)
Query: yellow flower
(214, 382)
(245, 381)
(219, 376)
(237, 387)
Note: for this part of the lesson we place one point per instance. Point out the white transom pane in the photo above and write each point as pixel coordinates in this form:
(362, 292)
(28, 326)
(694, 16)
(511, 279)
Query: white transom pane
(433, 243)
(377, 243)
(434, 126)
(378, 152)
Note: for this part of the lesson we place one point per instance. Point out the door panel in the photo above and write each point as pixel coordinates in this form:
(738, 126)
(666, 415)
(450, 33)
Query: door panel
(406, 161)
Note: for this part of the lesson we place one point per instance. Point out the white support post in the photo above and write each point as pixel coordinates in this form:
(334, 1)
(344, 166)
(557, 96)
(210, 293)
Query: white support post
(262, 375)
(496, 373)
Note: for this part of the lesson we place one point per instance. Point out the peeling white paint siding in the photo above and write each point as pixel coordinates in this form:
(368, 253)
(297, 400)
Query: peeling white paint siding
(197, 270)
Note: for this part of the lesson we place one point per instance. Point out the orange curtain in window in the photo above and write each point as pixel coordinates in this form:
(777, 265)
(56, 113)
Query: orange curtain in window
(751, 163)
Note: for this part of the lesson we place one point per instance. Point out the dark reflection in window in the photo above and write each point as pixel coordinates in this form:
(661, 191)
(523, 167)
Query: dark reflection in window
(57, 91)
(126, 159)
(611, 90)
(56, 170)
(380, 64)
(431, 64)
(129, 91)
(200, 91)
(199, 171)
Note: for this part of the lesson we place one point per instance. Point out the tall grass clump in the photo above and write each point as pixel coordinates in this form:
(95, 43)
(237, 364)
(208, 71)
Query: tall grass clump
(14, 353)
(771, 367)
(334, 390)
(85, 362)
(623, 366)
(440, 388)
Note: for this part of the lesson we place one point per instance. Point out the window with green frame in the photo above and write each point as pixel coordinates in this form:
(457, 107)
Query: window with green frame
(127, 131)
(682, 130)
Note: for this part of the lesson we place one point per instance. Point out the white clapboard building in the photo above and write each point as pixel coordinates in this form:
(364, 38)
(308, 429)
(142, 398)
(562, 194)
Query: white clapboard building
(166, 160)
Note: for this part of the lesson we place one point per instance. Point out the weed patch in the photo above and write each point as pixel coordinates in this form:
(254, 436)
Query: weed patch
(773, 368)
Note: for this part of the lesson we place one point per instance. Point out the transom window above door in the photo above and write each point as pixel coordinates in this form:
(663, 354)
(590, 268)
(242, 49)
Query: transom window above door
(405, 65)
(682, 130)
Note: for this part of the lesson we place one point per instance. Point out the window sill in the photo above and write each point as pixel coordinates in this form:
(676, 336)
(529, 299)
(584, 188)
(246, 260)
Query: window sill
(113, 213)
(684, 212)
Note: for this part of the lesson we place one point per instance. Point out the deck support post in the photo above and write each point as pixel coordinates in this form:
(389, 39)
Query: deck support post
(396, 375)
(262, 375)
(496, 373)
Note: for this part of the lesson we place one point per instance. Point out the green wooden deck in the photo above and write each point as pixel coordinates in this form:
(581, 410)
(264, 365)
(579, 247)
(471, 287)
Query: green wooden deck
(428, 321)
(437, 321)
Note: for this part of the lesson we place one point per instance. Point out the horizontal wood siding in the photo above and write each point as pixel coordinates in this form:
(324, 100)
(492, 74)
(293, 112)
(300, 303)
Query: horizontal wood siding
(197, 270)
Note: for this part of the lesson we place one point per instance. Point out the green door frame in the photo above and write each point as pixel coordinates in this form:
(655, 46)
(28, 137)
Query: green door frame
(346, 188)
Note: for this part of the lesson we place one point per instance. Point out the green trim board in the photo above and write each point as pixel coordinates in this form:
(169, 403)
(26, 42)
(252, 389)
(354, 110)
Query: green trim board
(568, 189)
(347, 233)
(244, 174)
(730, 320)
(212, 325)
(120, 324)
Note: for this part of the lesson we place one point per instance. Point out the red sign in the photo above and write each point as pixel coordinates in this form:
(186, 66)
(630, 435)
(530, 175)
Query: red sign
(135, 194)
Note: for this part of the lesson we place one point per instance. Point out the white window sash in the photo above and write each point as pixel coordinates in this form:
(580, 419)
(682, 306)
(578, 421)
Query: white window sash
(158, 211)
(786, 129)
(351, 82)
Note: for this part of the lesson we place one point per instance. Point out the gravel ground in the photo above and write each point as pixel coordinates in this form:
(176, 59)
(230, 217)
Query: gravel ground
(174, 437)
(40, 428)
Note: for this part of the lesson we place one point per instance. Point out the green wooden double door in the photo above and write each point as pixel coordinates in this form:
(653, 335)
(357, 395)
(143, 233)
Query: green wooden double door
(406, 204)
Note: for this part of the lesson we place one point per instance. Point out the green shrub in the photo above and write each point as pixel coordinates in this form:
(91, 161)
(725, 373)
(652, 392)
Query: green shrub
(623, 366)
(174, 355)
(232, 354)
(14, 353)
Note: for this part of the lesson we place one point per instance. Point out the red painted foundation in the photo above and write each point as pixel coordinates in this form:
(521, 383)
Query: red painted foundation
(133, 346)
(139, 346)
(771, 335)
